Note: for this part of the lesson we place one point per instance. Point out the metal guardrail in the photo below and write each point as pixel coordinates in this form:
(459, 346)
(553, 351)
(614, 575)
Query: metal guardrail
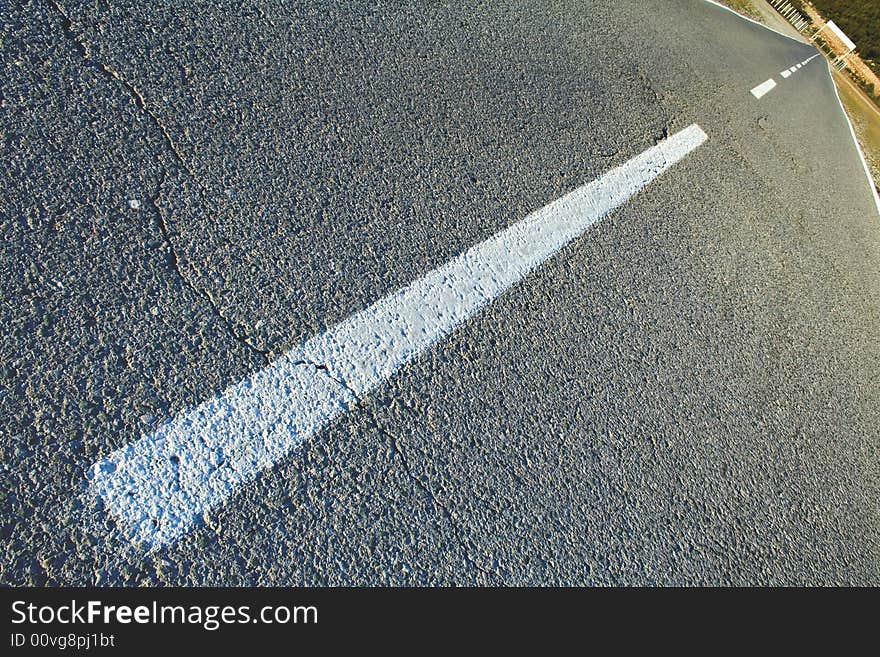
(791, 14)
(803, 24)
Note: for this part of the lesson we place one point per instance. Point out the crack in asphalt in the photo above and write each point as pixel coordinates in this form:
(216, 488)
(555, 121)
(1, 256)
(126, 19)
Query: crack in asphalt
(140, 101)
(655, 131)
(668, 115)
(395, 443)
(86, 53)
(203, 294)
(397, 450)
(326, 370)
(444, 510)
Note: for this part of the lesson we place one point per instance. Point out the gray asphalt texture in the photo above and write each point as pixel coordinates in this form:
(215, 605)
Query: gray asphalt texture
(687, 394)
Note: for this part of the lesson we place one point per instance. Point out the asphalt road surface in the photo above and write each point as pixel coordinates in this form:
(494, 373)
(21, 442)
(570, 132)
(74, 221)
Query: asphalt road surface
(686, 393)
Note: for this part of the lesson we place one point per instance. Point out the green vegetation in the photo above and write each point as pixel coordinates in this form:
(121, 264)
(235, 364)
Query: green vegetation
(865, 117)
(860, 19)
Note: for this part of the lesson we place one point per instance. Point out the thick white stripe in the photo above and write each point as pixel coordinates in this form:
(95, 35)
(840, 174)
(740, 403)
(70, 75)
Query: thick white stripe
(763, 88)
(160, 485)
(785, 73)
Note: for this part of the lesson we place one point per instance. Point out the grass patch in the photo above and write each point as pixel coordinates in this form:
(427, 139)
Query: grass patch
(866, 122)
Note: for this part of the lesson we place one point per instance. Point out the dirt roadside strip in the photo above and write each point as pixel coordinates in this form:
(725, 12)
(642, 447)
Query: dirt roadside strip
(865, 118)
(869, 105)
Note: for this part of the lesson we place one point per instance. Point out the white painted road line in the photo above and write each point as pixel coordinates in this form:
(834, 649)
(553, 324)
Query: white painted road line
(160, 485)
(763, 88)
(789, 71)
(754, 22)
(874, 194)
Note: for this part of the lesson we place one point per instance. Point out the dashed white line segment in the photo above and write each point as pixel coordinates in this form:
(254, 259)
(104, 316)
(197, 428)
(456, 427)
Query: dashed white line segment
(159, 486)
(764, 88)
(789, 71)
